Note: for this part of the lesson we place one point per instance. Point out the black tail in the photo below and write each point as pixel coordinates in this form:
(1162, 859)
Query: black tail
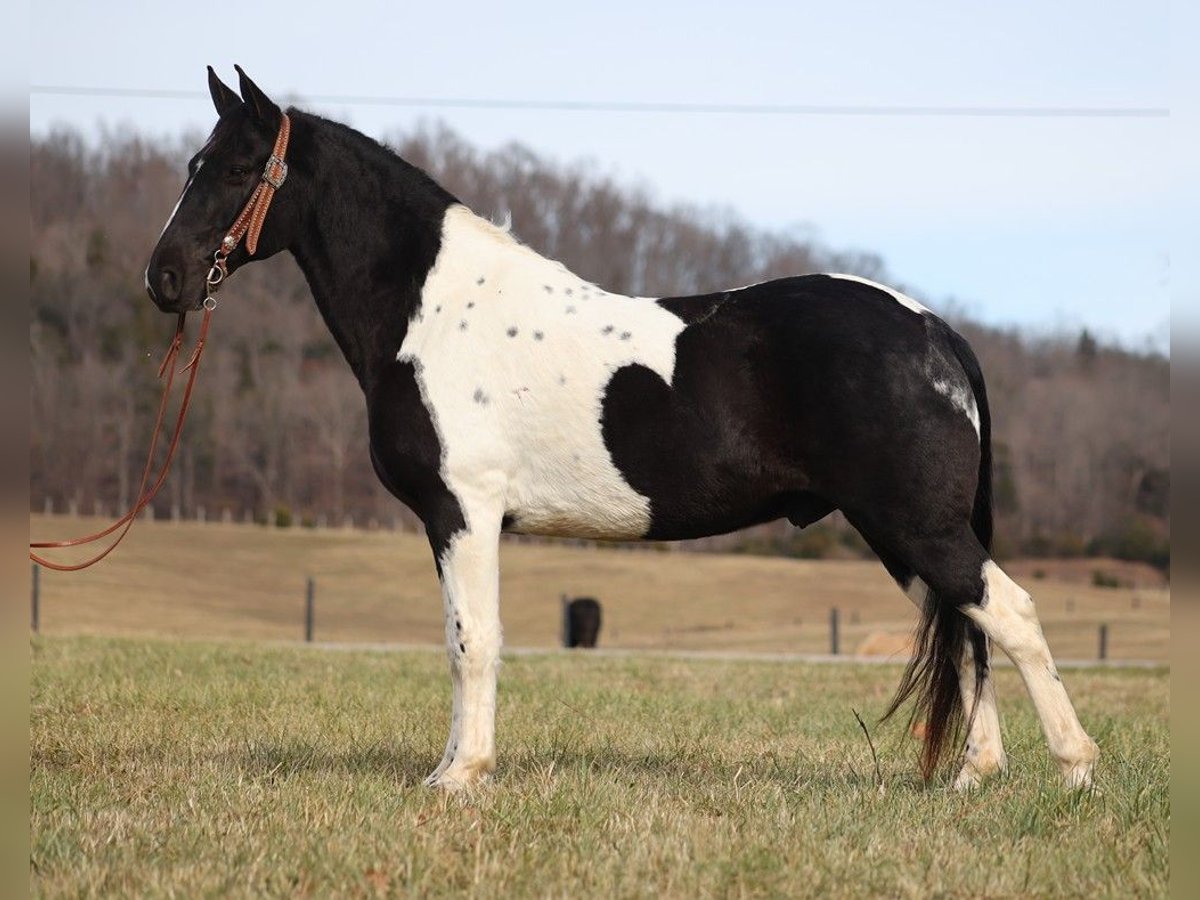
(932, 675)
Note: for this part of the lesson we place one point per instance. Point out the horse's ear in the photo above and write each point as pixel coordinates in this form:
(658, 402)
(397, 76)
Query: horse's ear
(224, 99)
(260, 104)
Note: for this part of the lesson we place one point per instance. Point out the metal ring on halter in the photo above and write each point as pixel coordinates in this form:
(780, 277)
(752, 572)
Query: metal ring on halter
(215, 275)
(210, 302)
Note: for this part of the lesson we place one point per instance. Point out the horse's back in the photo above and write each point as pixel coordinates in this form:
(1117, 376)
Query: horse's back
(788, 398)
(596, 415)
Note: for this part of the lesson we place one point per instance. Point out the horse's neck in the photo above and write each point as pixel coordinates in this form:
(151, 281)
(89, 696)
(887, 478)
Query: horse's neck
(368, 294)
(372, 235)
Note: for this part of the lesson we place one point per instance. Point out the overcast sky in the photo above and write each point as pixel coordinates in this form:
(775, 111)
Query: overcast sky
(1039, 222)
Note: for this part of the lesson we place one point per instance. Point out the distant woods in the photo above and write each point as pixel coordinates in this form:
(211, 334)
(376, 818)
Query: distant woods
(278, 430)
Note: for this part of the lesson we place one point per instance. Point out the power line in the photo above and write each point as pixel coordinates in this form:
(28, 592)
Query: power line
(619, 106)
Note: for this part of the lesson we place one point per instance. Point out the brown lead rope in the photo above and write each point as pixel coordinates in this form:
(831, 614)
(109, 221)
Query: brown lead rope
(247, 225)
(144, 496)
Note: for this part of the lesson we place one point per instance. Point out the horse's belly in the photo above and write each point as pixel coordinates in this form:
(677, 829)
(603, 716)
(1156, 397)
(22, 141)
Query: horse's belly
(575, 494)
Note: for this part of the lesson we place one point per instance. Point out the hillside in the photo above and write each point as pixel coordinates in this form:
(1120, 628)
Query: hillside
(248, 581)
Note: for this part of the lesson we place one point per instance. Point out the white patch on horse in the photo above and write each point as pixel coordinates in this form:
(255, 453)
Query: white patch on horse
(471, 605)
(946, 375)
(1007, 615)
(544, 361)
(962, 397)
(171, 218)
(179, 202)
(903, 299)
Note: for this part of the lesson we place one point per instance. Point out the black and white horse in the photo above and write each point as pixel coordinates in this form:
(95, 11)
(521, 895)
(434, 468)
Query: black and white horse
(507, 394)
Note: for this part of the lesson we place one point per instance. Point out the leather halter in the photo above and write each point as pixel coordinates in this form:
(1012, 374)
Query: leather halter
(247, 225)
(250, 220)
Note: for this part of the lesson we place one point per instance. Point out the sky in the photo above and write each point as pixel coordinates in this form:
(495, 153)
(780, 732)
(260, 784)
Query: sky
(1038, 222)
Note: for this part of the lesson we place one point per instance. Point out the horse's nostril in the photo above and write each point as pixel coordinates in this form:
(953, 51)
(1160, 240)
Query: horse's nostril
(171, 284)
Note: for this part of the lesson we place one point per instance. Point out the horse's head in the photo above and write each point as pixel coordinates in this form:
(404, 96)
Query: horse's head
(221, 178)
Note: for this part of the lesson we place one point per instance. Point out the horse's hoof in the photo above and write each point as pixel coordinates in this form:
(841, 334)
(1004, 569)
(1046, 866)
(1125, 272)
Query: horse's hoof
(974, 771)
(460, 776)
(1078, 772)
(1080, 776)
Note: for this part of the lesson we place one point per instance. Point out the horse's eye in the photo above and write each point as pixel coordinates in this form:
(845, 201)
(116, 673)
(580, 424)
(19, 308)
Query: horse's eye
(238, 171)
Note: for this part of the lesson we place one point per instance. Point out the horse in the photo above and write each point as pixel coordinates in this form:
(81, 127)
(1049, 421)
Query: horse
(506, 394)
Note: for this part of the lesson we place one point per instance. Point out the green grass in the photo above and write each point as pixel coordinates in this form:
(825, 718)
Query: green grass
(215, 769)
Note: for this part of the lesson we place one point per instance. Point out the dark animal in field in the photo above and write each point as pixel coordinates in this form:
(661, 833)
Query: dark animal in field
(506, 393)
(583, 622)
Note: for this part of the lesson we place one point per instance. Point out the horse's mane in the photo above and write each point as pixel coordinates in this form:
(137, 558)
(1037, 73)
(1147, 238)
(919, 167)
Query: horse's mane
(359, 143)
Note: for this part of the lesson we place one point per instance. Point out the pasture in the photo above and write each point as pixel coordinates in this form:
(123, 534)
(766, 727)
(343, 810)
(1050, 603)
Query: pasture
(246, 581)
(240, 768)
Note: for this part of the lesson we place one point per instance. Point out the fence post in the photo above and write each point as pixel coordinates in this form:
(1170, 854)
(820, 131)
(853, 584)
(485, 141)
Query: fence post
(309, 603)
(833, 631)
(1104, 642)
(36, 599)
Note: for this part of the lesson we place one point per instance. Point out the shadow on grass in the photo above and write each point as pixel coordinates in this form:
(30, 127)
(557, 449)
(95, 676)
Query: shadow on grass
(697, 768)
(408, 765)
(399, 762)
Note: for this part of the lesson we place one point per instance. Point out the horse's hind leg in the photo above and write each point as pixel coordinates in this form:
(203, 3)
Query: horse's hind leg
(1008, 616)
(960, 572)
(984, 752)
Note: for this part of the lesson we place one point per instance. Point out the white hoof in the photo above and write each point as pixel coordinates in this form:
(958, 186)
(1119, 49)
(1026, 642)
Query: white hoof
(461, 775)
(1079, 776)
(1077, 771)
(977, 768)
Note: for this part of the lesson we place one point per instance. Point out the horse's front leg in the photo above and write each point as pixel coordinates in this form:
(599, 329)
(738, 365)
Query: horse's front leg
(469, 567)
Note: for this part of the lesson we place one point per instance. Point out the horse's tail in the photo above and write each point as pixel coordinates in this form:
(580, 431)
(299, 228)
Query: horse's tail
(932, 677)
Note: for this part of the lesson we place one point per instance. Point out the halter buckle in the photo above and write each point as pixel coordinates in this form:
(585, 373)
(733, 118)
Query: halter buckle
(276, 172)
(216, 274)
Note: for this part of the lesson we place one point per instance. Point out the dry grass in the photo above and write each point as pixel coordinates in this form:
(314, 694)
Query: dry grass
(246, 581)
(168, 768)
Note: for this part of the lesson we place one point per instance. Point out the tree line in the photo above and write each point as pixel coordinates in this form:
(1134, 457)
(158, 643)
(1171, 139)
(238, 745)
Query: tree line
(278, 427)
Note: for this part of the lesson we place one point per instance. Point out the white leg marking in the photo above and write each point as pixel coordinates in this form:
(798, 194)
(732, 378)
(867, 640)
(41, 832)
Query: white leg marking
(985, 748)
(471, 594)
(1008, 617)
(455, 714)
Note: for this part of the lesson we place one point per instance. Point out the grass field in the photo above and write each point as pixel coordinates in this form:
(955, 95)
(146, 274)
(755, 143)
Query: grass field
(215, 580)
(241, 769)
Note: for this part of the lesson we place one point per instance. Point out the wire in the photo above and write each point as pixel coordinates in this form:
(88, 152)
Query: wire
(618, 106)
